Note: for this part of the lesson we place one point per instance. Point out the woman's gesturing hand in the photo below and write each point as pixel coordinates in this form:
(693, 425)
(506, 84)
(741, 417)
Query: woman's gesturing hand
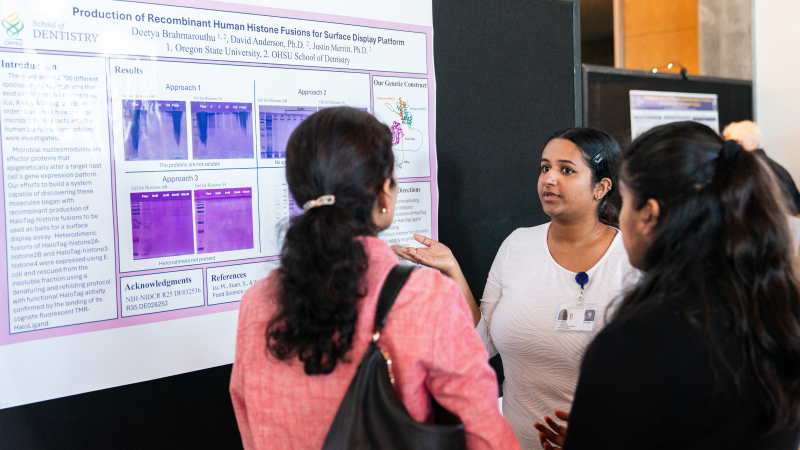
(436, 255)
(553, 436)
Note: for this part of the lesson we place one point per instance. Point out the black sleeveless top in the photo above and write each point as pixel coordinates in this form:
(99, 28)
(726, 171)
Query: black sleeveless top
(650, 382)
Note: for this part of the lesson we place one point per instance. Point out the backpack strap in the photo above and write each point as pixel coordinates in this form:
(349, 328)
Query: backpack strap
(391, 288)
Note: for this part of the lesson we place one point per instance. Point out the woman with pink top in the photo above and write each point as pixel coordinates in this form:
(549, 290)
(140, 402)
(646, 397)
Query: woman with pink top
(304, 328)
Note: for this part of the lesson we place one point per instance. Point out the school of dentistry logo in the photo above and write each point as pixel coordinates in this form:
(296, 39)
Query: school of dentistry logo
(12, 24)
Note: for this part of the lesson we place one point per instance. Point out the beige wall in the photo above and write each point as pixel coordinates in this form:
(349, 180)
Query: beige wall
(725, 38)
(777, 79)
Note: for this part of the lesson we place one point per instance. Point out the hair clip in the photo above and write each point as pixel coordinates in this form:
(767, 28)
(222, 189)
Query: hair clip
(325, 200)
(598, 158)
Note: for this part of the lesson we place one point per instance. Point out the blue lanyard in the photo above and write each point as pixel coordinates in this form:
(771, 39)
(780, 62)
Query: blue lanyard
(581, 278)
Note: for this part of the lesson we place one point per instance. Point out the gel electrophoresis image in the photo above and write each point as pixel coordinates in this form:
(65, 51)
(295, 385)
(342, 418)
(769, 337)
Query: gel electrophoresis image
(162, 224)
(294, 209)
(224, 219)
(286, 208)
(154, 130)
(276, 124)
(222, 130)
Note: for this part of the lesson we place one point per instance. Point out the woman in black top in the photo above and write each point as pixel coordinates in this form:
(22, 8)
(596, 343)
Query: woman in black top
(704, 352)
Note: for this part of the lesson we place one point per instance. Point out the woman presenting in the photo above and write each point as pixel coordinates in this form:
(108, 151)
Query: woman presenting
(704, 353)
(549, 285)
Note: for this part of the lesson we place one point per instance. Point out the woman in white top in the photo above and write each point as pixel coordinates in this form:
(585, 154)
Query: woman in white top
(535, 279)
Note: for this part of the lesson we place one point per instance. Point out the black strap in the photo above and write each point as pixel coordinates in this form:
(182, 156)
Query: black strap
(391, 288)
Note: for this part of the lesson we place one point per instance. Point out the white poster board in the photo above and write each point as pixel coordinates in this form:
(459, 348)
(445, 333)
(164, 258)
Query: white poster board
(653, 108)
(143, 152)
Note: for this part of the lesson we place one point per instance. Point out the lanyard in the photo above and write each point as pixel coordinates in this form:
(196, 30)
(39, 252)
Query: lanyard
(581, 278)
(576, 317)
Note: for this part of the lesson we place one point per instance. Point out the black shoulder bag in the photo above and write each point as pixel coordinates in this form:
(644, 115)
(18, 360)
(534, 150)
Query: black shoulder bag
(371, 415)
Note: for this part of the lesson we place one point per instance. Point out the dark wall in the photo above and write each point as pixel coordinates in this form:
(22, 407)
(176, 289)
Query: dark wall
(505, 81)
(598, 51)
(607, 97)
(189, 411)
(501, 92)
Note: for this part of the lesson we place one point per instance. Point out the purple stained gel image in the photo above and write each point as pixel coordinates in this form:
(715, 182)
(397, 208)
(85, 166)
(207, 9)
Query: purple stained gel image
(294, 209)
(276, 124)
(222, 130)
(224, 219)
(154, 130)
(162, 224)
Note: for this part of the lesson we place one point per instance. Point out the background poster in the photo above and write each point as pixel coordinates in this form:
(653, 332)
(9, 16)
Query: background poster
(652, 108)
(143, 153)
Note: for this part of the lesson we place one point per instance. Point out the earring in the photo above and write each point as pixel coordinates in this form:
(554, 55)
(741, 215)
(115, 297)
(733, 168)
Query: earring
(383, 210)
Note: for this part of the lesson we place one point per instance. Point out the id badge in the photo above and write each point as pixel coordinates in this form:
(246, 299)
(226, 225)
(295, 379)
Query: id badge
(573, 317)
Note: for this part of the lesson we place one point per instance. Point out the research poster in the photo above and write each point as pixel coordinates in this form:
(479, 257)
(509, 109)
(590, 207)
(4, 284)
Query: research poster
(143, 160)
(653, 108)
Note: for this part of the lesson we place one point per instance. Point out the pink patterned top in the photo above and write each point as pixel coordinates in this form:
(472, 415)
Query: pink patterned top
(429, 335)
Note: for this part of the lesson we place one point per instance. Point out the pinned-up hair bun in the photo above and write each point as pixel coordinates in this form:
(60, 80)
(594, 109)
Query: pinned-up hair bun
(730, 150)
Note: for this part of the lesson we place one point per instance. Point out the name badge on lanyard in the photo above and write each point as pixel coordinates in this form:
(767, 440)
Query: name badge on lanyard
(577, 316)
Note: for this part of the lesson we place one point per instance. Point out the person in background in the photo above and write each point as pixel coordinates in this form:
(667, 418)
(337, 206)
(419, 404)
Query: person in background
(748, 134)
(537, 311)
(705, 351)
(303, 329)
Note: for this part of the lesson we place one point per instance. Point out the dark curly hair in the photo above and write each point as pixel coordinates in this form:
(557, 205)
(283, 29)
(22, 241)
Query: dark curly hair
(722, 257)
(344, 152)
(601, 153)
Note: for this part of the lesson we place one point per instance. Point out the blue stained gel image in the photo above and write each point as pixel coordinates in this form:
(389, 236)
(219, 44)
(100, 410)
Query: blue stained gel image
(202, 126)
(222, 130)
(135, 116)
(154, 130)
(276, 124)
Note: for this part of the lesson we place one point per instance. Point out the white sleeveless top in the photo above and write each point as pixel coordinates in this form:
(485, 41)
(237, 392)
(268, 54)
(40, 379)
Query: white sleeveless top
(519, 309)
